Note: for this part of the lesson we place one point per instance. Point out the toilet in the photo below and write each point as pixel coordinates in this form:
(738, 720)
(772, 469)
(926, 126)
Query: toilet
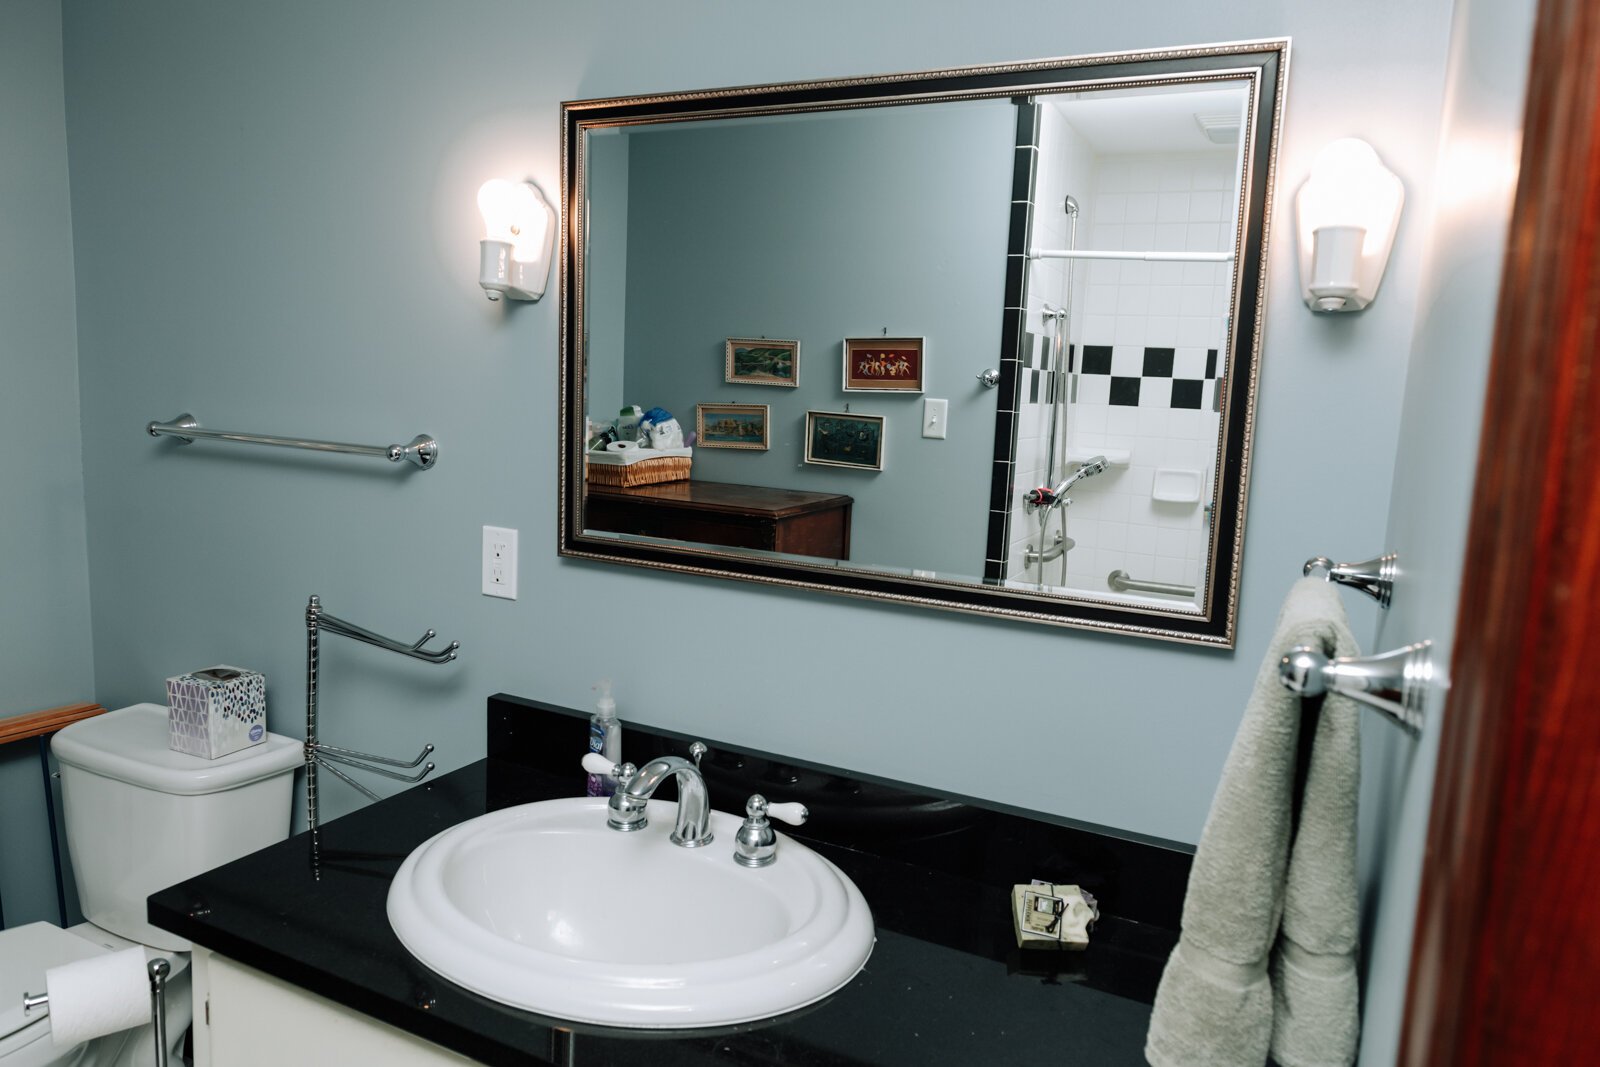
(139, 817)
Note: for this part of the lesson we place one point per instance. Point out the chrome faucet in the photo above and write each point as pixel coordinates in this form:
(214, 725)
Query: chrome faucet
(635, 786)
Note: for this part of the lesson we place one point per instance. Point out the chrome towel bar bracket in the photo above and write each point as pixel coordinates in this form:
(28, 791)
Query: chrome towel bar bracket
(422, 451)
(1374, 577)
(1395, 683)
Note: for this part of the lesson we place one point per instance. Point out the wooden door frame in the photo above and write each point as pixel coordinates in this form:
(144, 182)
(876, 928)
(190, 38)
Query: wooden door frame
(1506, 963)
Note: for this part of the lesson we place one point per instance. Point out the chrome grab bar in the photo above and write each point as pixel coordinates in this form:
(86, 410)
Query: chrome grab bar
(1394, 683)
(1122, 582)
(1374, 577)
(422, 451)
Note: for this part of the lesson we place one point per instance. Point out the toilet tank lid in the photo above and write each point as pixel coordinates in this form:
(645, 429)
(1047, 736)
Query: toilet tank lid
(26, 952)
(130, 745)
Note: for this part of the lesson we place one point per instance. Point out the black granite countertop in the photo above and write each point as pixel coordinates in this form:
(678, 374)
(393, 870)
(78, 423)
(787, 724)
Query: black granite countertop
(945, 982)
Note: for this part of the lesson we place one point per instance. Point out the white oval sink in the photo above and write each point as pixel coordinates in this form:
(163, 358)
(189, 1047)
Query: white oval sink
(544, 907)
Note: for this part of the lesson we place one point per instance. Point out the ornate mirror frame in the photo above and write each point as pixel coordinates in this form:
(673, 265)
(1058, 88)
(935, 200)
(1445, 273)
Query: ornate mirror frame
(1261, 65)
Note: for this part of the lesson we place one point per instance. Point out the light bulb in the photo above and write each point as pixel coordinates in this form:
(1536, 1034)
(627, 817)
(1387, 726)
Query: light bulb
(499, 202)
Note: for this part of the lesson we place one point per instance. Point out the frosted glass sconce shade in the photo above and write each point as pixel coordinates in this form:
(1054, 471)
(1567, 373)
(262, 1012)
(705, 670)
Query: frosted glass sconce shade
(519, 236)
(1348, 212)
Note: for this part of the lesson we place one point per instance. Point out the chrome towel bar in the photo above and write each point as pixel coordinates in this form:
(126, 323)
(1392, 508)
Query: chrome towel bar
(1374, 577)
(1395, 683)
(423, 451)
(1150, 257)
(1122, 582)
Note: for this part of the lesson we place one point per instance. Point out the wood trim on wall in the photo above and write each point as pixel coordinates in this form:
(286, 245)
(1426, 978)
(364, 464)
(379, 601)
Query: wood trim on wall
(1507, 952)
(38, 723)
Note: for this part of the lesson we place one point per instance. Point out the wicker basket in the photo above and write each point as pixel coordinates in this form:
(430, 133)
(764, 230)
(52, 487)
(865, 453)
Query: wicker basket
(645, 472)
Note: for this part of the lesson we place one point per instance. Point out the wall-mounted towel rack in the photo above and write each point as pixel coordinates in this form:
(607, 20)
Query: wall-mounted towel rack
(1122, 582)
(1374, 577)
(1395, 683)
(423, 451)
(321, 755)
(1151, 257)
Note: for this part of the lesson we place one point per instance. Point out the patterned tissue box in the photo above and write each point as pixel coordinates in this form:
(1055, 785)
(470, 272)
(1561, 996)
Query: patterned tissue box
(216, 711)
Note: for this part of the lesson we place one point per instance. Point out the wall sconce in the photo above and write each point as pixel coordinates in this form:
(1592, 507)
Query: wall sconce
(1349, 210)
(514, 257)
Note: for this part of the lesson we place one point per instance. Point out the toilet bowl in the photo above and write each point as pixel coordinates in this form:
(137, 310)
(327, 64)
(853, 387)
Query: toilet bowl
(139, 817)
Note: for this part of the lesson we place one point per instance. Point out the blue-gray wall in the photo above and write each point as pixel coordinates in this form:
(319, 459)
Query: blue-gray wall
(849, 224)
(274, 228)
(1439, 439)
(606, 264)
(46, 655)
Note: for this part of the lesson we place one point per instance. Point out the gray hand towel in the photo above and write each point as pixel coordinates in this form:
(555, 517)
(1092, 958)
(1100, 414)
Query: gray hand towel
(1252, 905)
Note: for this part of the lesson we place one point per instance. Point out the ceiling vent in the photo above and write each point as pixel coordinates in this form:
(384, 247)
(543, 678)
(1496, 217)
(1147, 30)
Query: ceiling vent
(1219, 129)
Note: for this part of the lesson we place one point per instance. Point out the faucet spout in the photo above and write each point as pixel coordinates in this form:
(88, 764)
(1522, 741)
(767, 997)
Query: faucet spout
(626, 809)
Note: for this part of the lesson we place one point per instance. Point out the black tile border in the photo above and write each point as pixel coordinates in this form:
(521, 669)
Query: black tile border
(1125, 391)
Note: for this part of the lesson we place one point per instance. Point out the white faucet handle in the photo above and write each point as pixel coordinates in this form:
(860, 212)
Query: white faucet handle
(793, 813)
(595, 763)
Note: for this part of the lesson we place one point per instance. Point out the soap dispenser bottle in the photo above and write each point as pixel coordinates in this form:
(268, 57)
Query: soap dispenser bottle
(605, 737)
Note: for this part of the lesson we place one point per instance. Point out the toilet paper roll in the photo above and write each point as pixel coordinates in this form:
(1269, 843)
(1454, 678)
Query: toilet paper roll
(94, 997)
(622, 446)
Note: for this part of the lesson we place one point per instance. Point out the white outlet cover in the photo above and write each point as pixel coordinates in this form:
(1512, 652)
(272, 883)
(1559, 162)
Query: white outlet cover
(500, 562)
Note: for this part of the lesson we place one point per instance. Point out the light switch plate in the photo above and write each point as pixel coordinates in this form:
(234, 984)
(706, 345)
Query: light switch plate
(935, 413)
(500, 562)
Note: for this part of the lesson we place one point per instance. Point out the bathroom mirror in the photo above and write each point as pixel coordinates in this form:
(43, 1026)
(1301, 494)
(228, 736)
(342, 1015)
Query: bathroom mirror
(982, 339)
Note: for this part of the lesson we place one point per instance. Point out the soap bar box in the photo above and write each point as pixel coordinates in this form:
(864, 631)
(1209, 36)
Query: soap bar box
(216, 711)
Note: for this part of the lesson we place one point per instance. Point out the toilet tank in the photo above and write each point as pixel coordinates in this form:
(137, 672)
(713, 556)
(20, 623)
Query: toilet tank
(141, 817)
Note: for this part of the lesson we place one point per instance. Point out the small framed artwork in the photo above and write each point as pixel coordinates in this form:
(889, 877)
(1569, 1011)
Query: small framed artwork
(839, 439)
(732, 426)
(758, 361)
(883, 364)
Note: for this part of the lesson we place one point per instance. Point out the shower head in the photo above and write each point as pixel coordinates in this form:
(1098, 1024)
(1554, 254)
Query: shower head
(1071, 206)
(1087, 469)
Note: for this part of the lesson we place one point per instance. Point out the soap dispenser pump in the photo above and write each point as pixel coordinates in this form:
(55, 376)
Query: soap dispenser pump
(605, 737)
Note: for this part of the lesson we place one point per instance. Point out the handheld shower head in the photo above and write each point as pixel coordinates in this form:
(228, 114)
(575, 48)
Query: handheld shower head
(1088, 469)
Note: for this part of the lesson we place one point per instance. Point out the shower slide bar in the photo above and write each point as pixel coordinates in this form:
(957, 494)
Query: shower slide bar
(422, 451)
(1153, 257)
(1394, 683)
(1122, 582)
(1374, 577)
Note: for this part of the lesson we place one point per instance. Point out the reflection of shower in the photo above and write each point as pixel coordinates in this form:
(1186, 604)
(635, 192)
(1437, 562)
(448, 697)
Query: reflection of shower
(1058, 321)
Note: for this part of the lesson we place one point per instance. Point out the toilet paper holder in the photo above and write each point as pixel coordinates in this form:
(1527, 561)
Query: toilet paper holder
(159, 970)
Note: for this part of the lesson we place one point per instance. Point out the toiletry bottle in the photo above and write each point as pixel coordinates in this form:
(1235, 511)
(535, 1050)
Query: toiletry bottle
(605, 737)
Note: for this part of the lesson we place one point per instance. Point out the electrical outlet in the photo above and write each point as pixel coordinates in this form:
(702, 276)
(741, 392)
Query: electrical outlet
(500, 562)
(935, 413)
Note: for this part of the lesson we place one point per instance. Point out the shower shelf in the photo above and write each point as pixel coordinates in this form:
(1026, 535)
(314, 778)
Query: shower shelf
(1115, 457)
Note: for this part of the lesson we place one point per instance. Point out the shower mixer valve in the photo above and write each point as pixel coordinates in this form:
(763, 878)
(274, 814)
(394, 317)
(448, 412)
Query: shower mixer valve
(1043, 497)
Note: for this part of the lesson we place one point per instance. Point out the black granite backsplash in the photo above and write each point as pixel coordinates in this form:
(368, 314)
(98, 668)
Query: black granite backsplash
(945, 983)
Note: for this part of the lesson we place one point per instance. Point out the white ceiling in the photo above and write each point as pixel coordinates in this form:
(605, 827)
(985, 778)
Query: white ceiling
(1140, 121)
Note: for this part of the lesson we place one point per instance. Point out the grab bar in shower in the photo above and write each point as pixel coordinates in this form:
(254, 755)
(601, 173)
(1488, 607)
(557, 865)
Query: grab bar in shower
(1374, 577)
(1122, 582)
(1394, 683)
(1152, 257)
(423, 451)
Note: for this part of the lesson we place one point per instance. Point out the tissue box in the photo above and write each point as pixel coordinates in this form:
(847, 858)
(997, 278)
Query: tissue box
(216, 711)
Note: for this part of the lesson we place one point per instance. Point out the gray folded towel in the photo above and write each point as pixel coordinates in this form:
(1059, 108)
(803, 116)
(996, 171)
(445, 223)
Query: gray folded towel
(1253, 905)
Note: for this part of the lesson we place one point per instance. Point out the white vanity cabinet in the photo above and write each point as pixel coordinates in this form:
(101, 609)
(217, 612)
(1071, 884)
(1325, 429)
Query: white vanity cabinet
(243, 1018)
